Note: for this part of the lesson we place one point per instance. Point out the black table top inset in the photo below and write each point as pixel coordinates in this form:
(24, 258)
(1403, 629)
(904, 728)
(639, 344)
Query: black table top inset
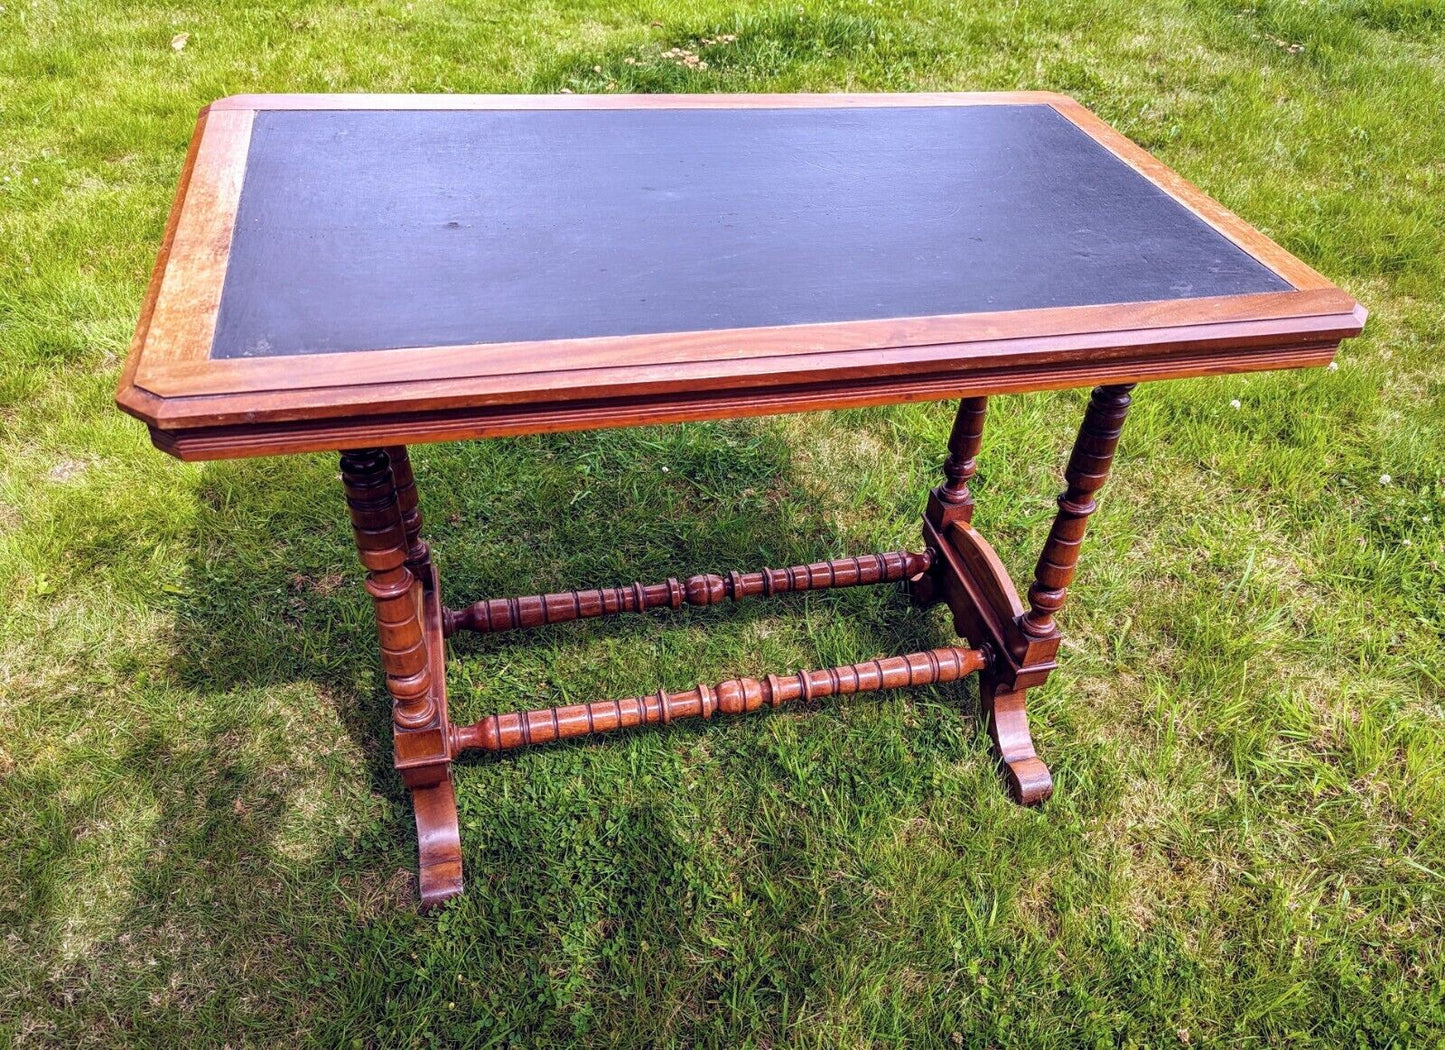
(370, 230)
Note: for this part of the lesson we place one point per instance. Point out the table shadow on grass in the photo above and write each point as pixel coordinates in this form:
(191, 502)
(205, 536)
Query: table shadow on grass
(273, 613)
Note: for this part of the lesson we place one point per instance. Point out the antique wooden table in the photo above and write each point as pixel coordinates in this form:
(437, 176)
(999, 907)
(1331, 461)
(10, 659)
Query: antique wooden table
(359, 273)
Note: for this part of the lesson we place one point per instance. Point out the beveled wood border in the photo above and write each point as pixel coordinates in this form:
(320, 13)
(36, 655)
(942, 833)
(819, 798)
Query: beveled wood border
(800, 100)
(171, 382)
(1040, 353)
(253, 437)
(183, 317)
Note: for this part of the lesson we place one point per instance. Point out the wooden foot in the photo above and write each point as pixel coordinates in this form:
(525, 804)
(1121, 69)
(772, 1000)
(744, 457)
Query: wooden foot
(1006, 715)
(437, 836)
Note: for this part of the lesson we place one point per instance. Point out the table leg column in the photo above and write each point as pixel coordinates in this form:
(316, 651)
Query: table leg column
(986, 609)
(386, 524)
(952, 501)
(418, 554)
(1085, 475)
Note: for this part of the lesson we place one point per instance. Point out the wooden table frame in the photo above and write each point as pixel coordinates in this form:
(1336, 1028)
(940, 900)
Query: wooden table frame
(372, 405)
(1012, 651)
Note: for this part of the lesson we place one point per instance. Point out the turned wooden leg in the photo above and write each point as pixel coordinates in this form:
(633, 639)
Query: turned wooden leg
(1087, 471)
(418, 554)
(1004, 706)
(952, 501)
(409, 631)
(969, 576)
(964, 440)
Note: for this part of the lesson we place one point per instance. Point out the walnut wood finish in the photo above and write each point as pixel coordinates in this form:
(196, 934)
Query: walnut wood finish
(963, 444)
(381, 496)
(418, 554)
(381, 540)
(526, 728)
(1087, 471)
(1005, 714)
(506, 614)
(952, 501)
(206, 426)
(968, 575)
(439, 843)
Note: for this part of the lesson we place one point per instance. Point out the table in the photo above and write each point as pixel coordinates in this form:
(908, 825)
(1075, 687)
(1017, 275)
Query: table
(359, 273)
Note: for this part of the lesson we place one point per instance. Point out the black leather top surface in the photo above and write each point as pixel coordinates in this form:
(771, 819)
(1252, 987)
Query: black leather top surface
(369, 230)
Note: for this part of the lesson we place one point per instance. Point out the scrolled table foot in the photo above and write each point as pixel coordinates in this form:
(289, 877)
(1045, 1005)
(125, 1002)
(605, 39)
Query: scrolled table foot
(1006, 715)
(1028, 780)
(440, 871)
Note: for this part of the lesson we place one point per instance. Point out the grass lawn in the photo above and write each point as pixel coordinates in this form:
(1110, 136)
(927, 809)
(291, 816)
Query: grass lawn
(201, 839)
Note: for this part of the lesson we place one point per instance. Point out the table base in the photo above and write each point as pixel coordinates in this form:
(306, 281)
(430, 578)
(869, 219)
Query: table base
(1012, 648)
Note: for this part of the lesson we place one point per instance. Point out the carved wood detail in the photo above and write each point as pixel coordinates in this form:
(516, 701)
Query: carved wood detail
(969, 577)
(1013, 648)
(1087, 471)
(418, 553)
(381, 496)
(1005, 713)
(952, 501)
(505, 614)
(525, 728)
(201, 407)
(381, 541)
(439, 843)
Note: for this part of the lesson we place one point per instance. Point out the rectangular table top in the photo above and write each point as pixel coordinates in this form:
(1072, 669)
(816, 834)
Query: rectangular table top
(353, 270)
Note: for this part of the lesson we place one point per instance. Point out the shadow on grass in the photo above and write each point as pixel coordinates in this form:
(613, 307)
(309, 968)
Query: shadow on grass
(275, 597)
(282, 855)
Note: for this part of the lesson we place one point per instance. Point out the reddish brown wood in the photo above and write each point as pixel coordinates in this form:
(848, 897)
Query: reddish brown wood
(203, 409)
(381, 541)
(970, 578)
(952, 501)
(158, 272)
(1087, 471)
(968, 575)
(1005, 713)
(506, 614)
(366, 408)
(402, 583)
(721, 100)
(963, 444)
(525, 728)
(423, 759)
(418, 554)
(439, 843)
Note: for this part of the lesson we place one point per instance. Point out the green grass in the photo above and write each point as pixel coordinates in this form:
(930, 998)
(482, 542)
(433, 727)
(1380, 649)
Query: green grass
(203, 843)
